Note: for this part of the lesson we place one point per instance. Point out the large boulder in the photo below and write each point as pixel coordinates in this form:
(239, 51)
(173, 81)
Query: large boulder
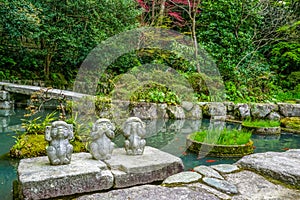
(283, 166)
(289, 110)
(242, 111)
(261, 110)
(144, 110)
(175, 112)
(214, 109)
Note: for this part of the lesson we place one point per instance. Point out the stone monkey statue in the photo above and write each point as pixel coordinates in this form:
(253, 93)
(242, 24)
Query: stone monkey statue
(134, 132)
(58, 135)
(102, 133)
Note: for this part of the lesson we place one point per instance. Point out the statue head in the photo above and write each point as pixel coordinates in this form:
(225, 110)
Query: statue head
(59, 130)
(103, 126)
(134, 124)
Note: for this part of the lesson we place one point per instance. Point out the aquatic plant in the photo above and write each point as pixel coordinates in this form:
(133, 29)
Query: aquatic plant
(222, 137)
(261, 123)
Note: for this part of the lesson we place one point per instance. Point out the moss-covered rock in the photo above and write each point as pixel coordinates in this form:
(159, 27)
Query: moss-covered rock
(220, 150)
(28, 146)
(291, 123)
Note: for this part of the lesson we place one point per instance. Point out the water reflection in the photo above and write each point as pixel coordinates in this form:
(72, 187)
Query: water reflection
(166, 135)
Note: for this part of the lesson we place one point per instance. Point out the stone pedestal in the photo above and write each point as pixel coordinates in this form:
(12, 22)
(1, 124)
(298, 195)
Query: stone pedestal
(40, 180)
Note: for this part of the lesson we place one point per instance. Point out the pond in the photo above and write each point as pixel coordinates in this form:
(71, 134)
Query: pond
(166, 135)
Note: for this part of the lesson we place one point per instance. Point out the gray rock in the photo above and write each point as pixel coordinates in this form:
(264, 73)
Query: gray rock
(4, 96)
(153, 165)
(194, 113)
(200, 187)
(6, 104)
(40, 180)
(175, 112)
(253, 186)
(274, 116)
(152, 192)
(242, 111)
(225, 168)
(208, 172)
(4, 122)
(214, 109)
(162, 111)
(187, 106)
(182, 178)
(221, 185)
(6, 112)
(229, 106)
(289, 110)
(283, 166)
(261, 110)
(144, 110)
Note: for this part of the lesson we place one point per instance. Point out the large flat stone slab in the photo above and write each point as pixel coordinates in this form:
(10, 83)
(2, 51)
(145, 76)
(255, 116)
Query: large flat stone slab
(253, 186)
(283, 166)
(153, 165)
(152, 192)
(39, 180)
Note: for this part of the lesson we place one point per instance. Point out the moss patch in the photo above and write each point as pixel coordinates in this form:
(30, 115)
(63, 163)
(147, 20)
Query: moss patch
(28, 146)
(291, 123)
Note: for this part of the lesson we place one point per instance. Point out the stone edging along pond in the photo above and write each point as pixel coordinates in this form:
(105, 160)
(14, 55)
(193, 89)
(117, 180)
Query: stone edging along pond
(215, 110)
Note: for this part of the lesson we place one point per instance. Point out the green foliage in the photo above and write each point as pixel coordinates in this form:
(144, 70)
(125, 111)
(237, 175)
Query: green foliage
(261, 123)
(155, 93)
(54, 37)
(222, 137)
(37, 125)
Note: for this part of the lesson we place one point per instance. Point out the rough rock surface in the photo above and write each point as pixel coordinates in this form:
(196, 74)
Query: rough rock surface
(175, 112)
(261, 110)
(221, 185)
(225, 168)
(152, 192)
(208, 172)
(153, 165)
(289, 110)
(255, 187)
(145, 110)
(183, 177)
(283, 166)
(39, 180)
(274, 116)
(214, 109)
(242, 111)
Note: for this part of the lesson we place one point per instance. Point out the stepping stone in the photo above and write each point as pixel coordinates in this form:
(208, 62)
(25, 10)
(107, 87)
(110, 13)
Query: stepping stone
(225, 168)
(221, 185)
(182, 178)
(208, 172)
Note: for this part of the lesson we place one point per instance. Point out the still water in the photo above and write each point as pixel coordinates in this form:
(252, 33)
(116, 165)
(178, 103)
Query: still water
(168, 136)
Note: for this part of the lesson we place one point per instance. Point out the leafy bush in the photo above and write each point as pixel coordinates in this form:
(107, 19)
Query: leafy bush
(155, 93)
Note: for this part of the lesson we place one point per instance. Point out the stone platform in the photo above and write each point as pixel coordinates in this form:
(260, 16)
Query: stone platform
(40, 180)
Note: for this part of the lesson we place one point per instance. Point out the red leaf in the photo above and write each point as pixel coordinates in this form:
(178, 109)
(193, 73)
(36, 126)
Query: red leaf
(143, 5)
(176, 15)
